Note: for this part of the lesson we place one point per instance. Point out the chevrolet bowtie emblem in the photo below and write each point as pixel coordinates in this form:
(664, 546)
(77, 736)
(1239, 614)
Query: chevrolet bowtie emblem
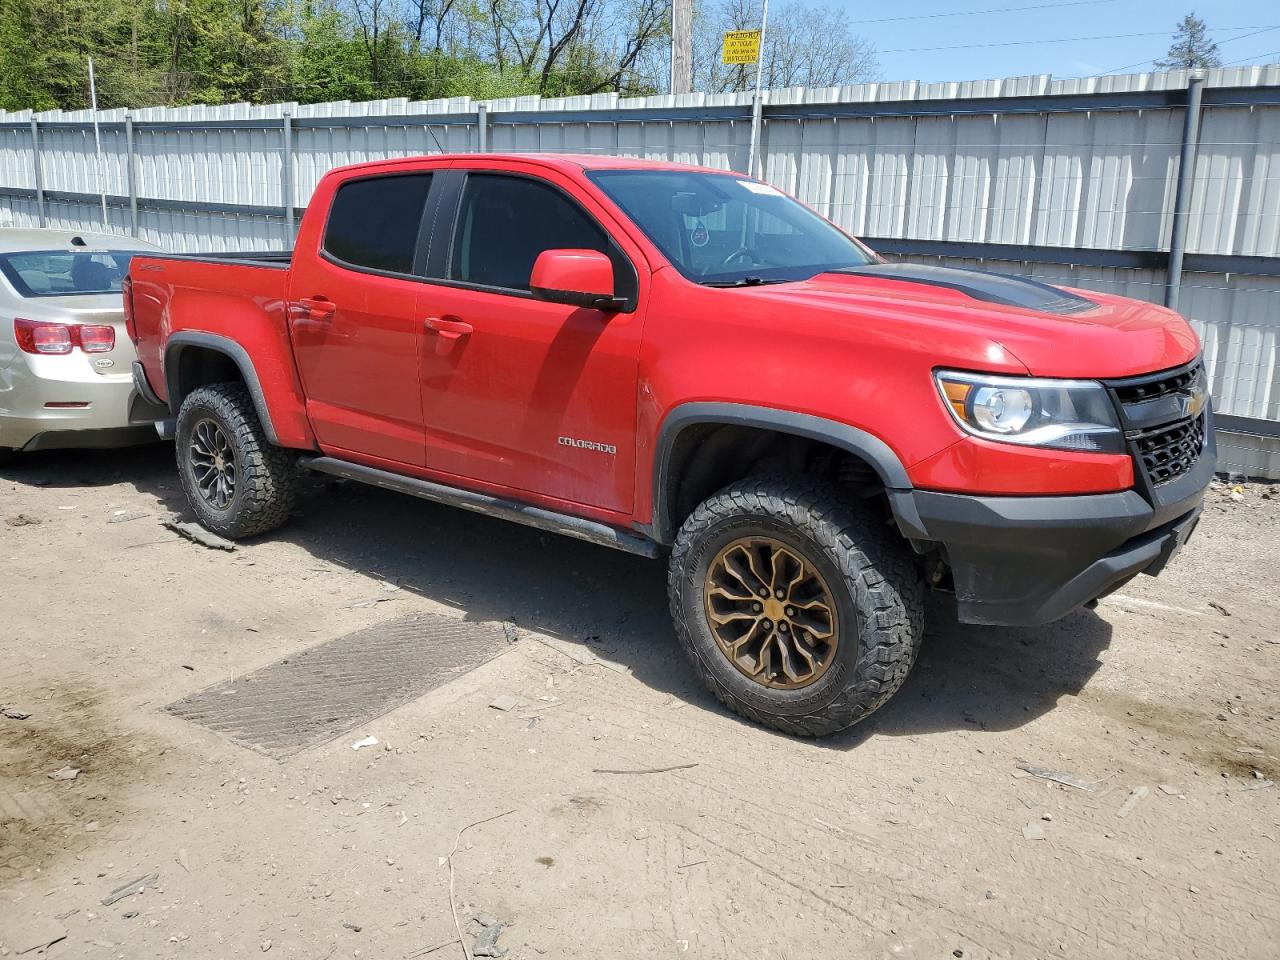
(1193, 402)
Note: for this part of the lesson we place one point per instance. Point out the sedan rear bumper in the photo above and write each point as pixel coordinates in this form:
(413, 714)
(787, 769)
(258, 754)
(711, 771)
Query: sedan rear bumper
(48, 406)
(96, 438)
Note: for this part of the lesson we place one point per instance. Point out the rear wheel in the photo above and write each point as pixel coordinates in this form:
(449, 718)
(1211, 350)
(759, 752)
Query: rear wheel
(799, 611)
(237, 482)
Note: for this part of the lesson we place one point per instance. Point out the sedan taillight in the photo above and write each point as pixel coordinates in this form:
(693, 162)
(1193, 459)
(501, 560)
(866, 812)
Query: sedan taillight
(35, 336)
(97, 338)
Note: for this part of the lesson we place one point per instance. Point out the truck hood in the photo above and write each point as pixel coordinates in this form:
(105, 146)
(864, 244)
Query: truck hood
(1052, 331)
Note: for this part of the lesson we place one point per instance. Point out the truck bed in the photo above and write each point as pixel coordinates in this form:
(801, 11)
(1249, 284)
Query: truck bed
(191, 309)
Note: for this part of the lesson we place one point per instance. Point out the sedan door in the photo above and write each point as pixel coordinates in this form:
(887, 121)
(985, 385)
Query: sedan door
(356, 336)
(519, 393)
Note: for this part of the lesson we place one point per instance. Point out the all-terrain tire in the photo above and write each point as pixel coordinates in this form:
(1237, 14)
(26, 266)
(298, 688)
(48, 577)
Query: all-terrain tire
(872, 579)
(266, 476)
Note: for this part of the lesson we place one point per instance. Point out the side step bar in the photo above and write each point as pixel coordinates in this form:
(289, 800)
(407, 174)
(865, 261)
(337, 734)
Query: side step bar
(549, 520)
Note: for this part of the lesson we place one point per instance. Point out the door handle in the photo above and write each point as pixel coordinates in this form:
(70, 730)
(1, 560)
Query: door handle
(450, 328)
(317, 308)
(448, 331)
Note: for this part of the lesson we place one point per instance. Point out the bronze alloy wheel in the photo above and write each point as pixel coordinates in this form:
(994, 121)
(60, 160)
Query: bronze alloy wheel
(771, 613)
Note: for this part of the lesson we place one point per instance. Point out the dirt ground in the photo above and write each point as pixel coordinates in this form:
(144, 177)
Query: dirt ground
(913, 835)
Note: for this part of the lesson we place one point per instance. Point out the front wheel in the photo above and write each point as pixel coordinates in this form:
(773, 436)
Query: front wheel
(799, 611)
(237, 482)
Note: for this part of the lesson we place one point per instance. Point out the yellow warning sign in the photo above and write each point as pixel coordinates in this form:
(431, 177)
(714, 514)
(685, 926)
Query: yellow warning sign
(742, 46)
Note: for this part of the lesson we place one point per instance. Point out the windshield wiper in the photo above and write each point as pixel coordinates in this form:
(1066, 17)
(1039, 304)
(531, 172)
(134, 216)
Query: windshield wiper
(744, 282)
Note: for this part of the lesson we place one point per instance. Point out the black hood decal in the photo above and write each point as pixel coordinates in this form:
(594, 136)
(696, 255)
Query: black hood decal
(980, 285)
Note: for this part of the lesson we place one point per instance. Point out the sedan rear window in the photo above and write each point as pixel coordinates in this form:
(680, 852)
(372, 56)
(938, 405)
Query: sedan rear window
(60, 273)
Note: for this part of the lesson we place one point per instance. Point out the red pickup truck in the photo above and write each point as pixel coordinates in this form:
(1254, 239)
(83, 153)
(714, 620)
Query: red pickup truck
(686, 362)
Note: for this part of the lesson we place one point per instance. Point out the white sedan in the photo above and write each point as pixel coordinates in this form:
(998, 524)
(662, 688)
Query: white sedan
(66, 360)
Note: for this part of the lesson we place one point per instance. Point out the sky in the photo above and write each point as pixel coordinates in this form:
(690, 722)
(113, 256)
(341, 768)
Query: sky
(1089, 37)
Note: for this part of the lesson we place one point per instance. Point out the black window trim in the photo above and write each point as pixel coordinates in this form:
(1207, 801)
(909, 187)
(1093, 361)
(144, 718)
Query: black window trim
(442, 258)
(421, 245)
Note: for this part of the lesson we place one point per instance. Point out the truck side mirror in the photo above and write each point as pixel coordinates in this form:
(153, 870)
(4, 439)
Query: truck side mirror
(582, 278)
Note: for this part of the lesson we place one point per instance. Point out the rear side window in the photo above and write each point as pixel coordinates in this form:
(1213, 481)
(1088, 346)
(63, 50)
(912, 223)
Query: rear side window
(374, 223)
(505, 222)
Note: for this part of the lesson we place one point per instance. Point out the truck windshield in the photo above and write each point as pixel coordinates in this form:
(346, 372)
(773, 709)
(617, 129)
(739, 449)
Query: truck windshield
(725, 230)
(59, 273)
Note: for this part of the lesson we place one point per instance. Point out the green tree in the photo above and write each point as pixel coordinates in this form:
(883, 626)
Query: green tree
(45, 47)
(327, 61)
(220, 51)
(21, 86)
(1191, 48)
(176, 52)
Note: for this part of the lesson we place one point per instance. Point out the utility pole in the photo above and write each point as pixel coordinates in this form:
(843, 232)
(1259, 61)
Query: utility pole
(1186, 180)
(757, 104)
(681, 46)
(97, 143)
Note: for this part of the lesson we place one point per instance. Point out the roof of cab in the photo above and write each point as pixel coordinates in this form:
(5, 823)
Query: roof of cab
(17, 240)
(567, 162)
(592, 161)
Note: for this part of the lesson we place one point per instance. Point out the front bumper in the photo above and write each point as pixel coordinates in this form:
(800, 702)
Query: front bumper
(1029, 560)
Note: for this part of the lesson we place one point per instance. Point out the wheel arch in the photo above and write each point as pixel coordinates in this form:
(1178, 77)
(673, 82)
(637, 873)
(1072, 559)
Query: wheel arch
(194, 359)
(684, 430)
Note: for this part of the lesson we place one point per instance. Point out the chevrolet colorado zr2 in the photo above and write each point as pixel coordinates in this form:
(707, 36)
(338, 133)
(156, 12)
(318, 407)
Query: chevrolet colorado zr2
(687, 362)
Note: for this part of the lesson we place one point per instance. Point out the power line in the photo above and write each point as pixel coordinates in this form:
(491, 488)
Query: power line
(976, 13)
(1023, 43)
(1243, 36)
(1256, 58)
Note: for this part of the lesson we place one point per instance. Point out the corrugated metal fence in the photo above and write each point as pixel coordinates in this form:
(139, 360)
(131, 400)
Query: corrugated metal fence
(1070, 180)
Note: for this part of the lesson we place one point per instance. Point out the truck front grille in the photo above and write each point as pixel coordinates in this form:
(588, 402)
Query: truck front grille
(1170, 451)
(1158, 385)
(1164, 423)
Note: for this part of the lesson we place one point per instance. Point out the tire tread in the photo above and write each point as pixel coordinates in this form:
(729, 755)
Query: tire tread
(886, 585)
(269, 474)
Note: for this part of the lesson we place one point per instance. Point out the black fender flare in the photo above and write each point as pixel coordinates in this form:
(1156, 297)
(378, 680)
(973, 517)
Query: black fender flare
(232, 351)
(865, 445)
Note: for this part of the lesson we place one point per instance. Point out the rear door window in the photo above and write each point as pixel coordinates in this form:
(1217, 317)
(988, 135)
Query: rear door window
(374, 223)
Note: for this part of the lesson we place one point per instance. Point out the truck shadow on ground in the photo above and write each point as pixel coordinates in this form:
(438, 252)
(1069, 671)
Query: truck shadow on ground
(614, 604)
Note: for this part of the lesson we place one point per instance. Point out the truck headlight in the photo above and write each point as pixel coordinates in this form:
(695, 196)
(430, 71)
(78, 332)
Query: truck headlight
(1062, 414)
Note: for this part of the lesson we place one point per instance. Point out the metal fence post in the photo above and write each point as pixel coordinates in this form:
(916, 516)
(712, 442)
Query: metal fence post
(35, 167)
(286, 175)
(1182, 199)
(130, 175)
(482, 127)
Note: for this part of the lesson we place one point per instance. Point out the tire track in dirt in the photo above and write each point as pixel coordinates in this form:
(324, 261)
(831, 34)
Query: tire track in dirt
(649, 737)
(42, 820)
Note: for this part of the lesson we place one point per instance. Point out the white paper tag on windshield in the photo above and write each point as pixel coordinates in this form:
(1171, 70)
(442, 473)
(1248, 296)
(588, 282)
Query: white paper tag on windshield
(761, 188)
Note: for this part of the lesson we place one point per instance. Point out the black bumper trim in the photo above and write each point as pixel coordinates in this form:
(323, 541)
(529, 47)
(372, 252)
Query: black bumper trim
(1020, 561)
(100, 438)
(141, 384)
